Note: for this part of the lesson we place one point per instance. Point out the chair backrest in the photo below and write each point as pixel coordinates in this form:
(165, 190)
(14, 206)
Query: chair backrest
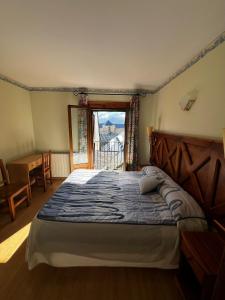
(4, 180)
(46, 161)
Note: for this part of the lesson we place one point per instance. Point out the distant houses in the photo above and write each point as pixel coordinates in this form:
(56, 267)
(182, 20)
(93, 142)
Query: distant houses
(108, 127)
(109, 145)
(111, 137)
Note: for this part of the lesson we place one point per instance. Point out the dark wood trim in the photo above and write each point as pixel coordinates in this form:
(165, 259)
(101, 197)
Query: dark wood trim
(108, 105)
(92, 106)
(197, 164)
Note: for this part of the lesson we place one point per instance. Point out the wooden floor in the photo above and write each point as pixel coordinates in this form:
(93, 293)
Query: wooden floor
(45, 282)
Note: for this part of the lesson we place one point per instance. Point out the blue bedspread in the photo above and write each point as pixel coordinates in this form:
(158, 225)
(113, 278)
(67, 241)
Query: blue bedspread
(108, 197)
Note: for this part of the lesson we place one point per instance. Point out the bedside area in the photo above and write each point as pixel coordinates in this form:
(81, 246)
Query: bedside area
(203, 253)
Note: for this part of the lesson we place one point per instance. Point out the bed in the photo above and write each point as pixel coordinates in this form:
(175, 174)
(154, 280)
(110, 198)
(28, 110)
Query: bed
(99, 218)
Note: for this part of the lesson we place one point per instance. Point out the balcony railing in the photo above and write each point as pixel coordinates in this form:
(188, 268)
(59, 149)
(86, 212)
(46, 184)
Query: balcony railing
(109, 156)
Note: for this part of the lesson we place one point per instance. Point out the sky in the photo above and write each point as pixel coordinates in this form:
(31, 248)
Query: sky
(116, 117)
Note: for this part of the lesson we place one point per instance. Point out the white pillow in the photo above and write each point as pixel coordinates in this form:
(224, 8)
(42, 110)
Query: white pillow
(148, 184)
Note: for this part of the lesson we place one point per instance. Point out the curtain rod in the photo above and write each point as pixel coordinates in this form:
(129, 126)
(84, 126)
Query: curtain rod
(77, 92)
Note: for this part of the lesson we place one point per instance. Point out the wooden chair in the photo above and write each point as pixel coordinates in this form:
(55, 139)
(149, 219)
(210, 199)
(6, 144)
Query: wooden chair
(44, 174)
(13, 193)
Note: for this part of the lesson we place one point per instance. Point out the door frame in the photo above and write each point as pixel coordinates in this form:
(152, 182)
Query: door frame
(88, 165)
(91, 107)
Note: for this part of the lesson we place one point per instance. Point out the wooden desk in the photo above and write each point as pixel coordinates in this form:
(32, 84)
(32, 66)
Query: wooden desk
(19, 169)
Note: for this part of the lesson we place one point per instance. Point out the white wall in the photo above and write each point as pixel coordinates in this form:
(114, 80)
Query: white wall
(207, 116)
(16, 124)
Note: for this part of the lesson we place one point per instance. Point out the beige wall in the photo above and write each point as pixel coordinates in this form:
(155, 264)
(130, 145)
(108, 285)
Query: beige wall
(207, 116)
(16, 125)
(51, 119)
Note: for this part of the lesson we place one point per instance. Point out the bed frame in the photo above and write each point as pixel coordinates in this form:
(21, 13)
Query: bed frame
(197, 164)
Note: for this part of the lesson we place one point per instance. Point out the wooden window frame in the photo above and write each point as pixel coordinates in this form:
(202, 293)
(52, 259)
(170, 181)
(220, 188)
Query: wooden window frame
(108, 105)
(96, 106)
(88, 165)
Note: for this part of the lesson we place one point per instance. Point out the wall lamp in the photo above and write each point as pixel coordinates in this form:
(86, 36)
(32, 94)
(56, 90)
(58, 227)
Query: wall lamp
(150, 131)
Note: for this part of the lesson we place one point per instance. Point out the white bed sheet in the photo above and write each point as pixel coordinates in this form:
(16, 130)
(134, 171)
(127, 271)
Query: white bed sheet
(64, 244)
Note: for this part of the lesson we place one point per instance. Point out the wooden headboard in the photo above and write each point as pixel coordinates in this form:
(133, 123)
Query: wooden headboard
(197, 164)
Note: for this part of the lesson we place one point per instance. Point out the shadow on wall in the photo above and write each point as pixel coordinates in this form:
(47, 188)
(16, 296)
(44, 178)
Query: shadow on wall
(17, 150)
(26, 147)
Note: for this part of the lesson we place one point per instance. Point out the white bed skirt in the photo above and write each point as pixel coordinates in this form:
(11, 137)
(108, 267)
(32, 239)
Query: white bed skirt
(62, 244)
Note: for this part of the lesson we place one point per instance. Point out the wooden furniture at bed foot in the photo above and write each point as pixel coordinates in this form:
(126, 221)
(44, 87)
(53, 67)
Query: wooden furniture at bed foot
(203, 251)
(12, 193)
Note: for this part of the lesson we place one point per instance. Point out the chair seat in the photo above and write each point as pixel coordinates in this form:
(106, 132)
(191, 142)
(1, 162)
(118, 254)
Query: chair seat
(10, 189)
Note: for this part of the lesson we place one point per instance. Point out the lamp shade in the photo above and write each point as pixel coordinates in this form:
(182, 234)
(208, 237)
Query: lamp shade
(149, 131)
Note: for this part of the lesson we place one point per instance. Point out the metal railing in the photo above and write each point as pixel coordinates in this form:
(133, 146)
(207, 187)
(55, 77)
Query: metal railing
(109, 155)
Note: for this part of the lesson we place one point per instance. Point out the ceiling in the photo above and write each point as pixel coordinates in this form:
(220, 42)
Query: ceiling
(119, 44)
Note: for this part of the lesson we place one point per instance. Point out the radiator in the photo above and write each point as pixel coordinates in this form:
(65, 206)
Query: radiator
(60, 164)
